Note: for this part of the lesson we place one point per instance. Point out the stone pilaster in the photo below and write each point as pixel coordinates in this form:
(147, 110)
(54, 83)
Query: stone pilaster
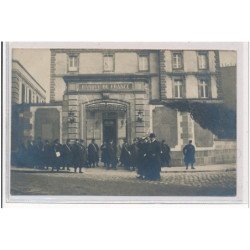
(52, 75)
(73, 106)
(162, 60)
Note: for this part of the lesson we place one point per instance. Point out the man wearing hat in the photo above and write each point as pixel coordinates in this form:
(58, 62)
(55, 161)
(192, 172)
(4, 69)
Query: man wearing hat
(153, 157)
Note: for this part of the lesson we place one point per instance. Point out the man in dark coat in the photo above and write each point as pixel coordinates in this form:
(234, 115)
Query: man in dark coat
(141, 160)
(75, 154)
(83, 156)
(153, 157)
(31, 159)
(104, 154)
(165, 154)
(112, 155)
(66, 155)
(47, 157)
(38, 147)
(56, 155)
(93, 154)
(189, 155)
(125, 157)
(134, 153)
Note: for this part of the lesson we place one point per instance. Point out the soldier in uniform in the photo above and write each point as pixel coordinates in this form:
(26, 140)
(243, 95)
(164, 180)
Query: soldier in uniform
(66, 155)
(125, 157)
(93, 154)
(153, 158)
(189, 155)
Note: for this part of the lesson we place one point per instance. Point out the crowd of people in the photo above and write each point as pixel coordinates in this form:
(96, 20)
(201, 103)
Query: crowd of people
(145, 155)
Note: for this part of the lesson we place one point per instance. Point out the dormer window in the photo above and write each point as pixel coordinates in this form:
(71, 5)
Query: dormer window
(73, 63)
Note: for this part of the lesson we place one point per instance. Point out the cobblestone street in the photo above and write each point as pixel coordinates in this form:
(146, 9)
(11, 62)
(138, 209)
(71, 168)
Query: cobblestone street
(204, 181)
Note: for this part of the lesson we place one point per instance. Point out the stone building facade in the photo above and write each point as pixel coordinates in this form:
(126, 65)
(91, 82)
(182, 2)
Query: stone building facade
(116, 94)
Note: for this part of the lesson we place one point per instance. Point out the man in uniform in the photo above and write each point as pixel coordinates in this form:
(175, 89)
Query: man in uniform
(189, 155)
(93, 154)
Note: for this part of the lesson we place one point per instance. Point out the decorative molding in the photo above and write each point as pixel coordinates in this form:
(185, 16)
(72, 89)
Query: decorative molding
(108, 77)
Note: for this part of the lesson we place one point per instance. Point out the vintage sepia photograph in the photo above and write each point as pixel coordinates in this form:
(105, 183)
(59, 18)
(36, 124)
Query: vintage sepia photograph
(126, 121)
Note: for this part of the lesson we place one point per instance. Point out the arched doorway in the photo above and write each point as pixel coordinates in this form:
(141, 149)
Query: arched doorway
(107, 120)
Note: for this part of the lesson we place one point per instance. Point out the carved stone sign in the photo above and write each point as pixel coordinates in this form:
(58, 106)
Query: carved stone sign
(105, 86)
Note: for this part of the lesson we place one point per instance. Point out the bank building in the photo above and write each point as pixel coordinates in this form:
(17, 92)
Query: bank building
(117, 94)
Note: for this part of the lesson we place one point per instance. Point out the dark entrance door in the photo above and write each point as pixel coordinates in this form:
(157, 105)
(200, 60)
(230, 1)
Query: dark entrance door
(109, 130)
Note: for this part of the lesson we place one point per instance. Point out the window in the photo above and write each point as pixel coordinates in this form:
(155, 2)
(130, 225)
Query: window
(23, 93)
(178, 88)
(73, 63)
(108, 63)
(177, 60)
(202, 60)
(203, 89)
(37, 99)
(143, 63)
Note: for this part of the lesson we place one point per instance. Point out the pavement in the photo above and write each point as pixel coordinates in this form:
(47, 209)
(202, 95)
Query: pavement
(177, 169)
(213, 180)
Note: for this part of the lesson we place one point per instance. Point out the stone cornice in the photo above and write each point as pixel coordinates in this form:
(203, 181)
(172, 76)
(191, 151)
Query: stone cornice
(108, 77)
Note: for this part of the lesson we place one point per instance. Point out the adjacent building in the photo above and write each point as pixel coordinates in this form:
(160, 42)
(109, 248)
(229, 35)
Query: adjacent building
(25, 89)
